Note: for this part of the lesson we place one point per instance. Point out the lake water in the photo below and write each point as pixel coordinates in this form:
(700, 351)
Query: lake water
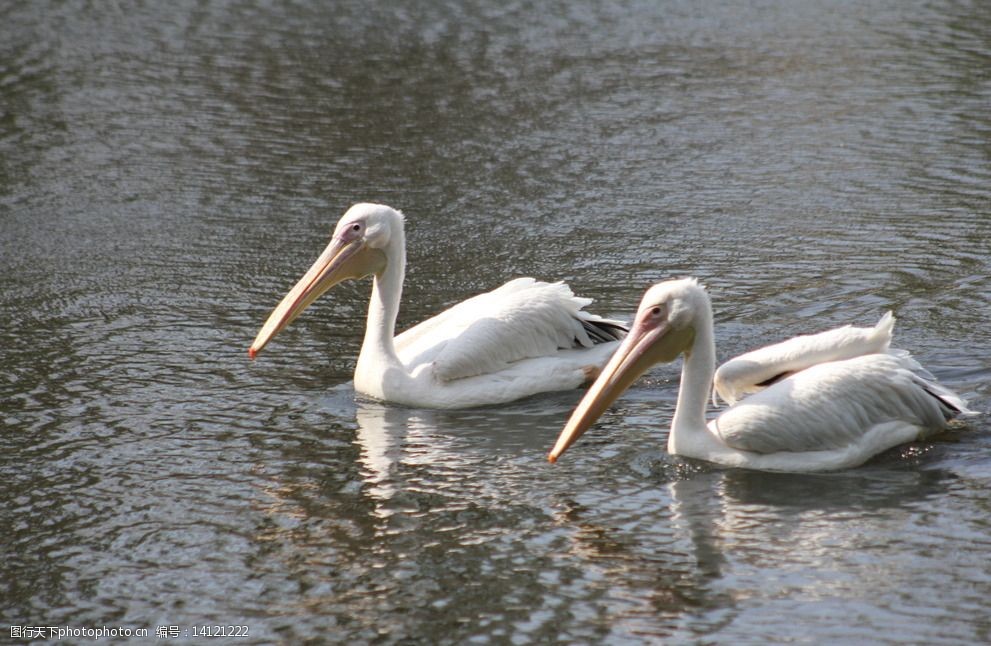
(168, 170)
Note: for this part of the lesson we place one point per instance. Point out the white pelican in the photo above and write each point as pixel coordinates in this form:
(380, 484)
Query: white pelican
(523, 338)
(829, 416)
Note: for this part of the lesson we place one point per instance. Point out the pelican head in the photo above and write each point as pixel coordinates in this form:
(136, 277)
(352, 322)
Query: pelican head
(663, 329)
(357, 249)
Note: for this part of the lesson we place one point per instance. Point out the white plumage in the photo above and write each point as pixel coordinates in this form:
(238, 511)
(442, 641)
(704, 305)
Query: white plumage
(754, 371)
(523, 338)
(524, 318)
(826, 416)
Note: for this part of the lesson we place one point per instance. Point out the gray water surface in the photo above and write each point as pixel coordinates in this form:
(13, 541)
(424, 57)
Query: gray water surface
(168, 170)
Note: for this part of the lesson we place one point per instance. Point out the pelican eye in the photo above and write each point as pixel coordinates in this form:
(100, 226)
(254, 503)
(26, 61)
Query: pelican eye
(356, 226)
(656, 311)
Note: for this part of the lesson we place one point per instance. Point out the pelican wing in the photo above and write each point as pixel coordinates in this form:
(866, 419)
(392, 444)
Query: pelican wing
(753, 371)
(833, 405)
(522, 319)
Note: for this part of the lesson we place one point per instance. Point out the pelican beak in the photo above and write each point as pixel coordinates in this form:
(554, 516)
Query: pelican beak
(343, 258)
(649, 342)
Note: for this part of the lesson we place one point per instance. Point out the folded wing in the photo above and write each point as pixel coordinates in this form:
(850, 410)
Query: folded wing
(834, 405)
(754, 371)
(524, 318)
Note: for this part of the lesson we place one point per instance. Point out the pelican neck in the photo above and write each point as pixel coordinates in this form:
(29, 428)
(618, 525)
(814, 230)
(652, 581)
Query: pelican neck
(383, 305)
(688, 428)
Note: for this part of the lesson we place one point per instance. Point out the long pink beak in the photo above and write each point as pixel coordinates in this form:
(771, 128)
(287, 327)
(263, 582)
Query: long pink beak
(630, 361)
(329, 269)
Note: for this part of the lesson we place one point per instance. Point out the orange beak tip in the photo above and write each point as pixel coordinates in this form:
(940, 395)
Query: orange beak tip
(551, 458)
(252, 353)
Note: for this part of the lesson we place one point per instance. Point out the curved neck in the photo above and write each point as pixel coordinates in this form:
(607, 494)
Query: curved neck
(688, 428)
(383, 306)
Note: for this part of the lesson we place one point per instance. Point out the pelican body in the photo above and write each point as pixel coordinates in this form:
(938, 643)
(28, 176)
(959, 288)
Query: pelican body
(824, 416)
(521, 339)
